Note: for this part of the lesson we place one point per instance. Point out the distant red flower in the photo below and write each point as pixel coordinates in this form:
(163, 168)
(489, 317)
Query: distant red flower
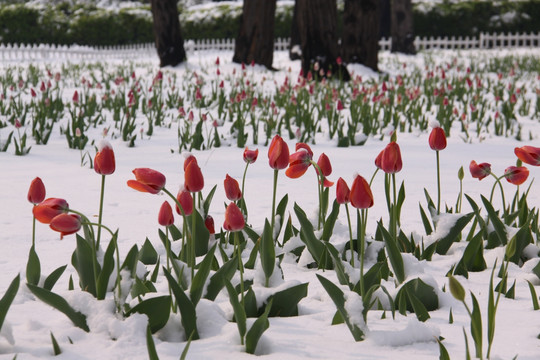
(361, 196)
(104, 162)
(528, 154)
(234, 220)
(147, 180)
(342, 192)
(516, 175)
(45, 211)
(165, 216)
(232, 189)
(36, 192)
(66, 224)
(479, 171)
(278, 153)
(437, 139)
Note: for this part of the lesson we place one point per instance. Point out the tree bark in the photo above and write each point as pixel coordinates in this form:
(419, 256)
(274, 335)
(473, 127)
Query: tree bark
(360, 40)
(295, 53)
(402, 27)
(169, 41)
(255, 41)
(317, 24)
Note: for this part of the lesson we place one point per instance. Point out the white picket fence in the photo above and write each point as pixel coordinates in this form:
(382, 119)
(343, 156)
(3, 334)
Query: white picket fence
(44, 52)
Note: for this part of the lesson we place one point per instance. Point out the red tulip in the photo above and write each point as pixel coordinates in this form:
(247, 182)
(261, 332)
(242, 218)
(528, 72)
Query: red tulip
(326, 168)
(193, 178)
(209, 223)
(528, 154)
(188, 160)
(479, 171)
(390, 161)
(66, 224)
(104, 163)
(299, 162)
(232, 189)
(516, 175)
(437, 139)
(342, 192)
(148, 180)
(250, 156)
(186, 201)
(76, 97)
(360, 195)
(165, 216)
(36, 192)
(278, 153)
(234, 220)
(45, 211)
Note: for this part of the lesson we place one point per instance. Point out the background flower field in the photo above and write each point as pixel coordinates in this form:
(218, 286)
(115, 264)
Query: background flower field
(64, 166)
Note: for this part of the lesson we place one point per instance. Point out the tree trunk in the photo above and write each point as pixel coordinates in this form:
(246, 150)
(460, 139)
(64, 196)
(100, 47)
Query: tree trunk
(295, 53)
(169, 41)
(317, 24)
(384, 9)
(360, 41)
(402, 27)
(255, 41)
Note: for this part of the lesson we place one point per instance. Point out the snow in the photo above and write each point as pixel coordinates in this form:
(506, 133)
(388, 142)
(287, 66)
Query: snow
(26, 332)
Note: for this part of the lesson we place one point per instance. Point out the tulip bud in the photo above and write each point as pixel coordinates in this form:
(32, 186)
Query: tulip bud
(234, 220)
(232, 189)
(45, 211)
(250, 156)
(104, 163)
(193, 178)
(165, 216)
(66, 224)
(36, 192)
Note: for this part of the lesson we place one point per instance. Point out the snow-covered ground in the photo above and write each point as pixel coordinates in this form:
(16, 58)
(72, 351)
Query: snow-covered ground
(29, 322)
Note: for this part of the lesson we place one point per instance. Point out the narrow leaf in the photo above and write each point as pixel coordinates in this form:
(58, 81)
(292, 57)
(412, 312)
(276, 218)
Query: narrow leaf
(393, 254)
(56, 347)
(187, 310)
(257, 329)
(8, 297)
(239, 311)
(33, 267)
(51, 280)
(108, 267)
(197, 286)
(268, 251)
(217, 281)
(150, 345)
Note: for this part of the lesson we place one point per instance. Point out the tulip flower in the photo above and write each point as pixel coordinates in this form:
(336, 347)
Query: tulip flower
(390, 161)
(66, 224)
(36, 192)
(49, 208)
(479, 171)
(209, 223)
(299, 162)
(104, 163)
(326, 168)
(147, 180)
(165, 216)
(193, 178)
(278, 153)
(234, 220)
(360, 195)
(342, 192)
(516, 175)
(188, 160)
(250, 156)
(232, 189)
(528, 154)
(437, 139)
(186, 201)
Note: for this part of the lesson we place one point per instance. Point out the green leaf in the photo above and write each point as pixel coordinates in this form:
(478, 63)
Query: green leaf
(285, 302)
(534, 297)
(56, 347)
(208, 200)
(157, 309)
(250, 264)
(330, 222)
(82, 262)
(280, 210)
(289, 231)
(315, 246)
(155, 273)
(444, 243)
(8, 297)
(201, 232)
(425, 221)
(499, 226)
(257, 329)
(239, 311)
(217, 281)
(393, 254)
(148, 254)
(341, 274)
(152, 353)
(141, 287)
(108, 267)
(419, 298)
(130, 263)
(197, 285)
(467, 352)
(53, 277)
(268, 251)
(60, 304)
(33, 267)
(522, 238)
(456, 289)
(443, 353)
(175, 232)
(251, 234)
(476, 326)
(338, 297)
(187, 310)
(473, 257)
(186, 348)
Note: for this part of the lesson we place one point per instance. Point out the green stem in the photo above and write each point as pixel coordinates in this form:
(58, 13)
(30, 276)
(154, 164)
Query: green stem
(192, 245)
(273, 219)
(498, 181)
(460, 199)
(320, 189)
(394, 208)
(168, 250)
(350, 234)
(100, 216)
(243, 197)
(240, 267)
(33, 230)
(438, 184)
(373, 176)
(362, 249)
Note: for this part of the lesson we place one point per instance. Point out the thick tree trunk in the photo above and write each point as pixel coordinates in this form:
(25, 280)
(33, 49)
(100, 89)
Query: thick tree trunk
(169, 41)
(295, 53)
(384, 9)
(402, 27)
(360, 41)
(255, 41)
(317, 25)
